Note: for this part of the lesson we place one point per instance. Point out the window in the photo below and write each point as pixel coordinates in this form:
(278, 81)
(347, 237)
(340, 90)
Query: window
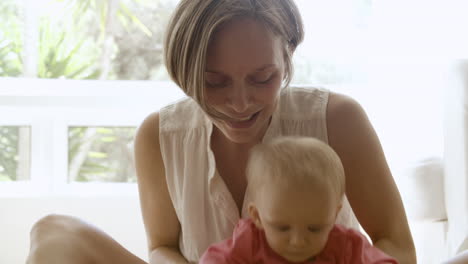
(101, 154)
(15, 152)
(78, 76)
(11, 38)
(332, 49)
(392, 57)
(85, 39)
(81, 132)
(99, 71)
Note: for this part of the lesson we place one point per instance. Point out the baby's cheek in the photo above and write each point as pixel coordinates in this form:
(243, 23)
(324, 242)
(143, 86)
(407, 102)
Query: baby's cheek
(277, 242)
(322, 241)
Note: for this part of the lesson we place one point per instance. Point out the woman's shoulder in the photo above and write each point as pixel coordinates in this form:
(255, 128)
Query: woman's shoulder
(341, 103)
(181, 115)
(308, 103)
(307, 94)
(148, 128)
(344, 111)
(295, 93)
(178, 107)
(303, 103)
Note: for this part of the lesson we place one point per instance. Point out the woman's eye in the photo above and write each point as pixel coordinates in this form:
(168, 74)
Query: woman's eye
(214, 80)
(263, 79)
(215, 85)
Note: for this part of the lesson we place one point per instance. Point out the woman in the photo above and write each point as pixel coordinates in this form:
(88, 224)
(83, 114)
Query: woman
(233, 59)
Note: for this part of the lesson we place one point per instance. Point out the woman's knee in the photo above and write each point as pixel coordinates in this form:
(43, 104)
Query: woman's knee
(48, 221)
(55, 238)
(54, 226)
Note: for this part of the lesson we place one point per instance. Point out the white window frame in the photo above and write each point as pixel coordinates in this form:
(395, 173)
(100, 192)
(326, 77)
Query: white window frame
(49, 107)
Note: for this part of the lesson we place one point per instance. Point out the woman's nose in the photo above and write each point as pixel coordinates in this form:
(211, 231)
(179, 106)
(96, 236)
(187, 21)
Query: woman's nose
(239, 98)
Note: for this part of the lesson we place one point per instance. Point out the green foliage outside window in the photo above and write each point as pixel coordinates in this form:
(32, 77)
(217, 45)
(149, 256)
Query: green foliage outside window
(10, 150)
(106, 40)
(86, 39)
(102, 154)
(10, 39)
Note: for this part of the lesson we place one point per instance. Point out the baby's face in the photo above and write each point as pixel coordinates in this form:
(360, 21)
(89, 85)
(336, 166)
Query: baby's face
(296, 221)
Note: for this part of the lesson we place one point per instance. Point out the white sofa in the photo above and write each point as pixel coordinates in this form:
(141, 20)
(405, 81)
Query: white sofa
(436, 189)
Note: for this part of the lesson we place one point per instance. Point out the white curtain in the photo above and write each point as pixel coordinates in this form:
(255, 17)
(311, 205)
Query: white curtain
(456, 156)
(31, 37)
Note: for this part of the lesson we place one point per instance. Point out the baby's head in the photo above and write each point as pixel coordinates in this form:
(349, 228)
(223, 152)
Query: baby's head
(297, 185)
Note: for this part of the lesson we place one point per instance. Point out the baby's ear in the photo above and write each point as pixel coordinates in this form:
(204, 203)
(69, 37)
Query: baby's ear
(338, 209)
(253, 212)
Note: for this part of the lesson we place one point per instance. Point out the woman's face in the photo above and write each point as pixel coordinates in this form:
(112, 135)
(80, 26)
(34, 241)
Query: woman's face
(244, 73)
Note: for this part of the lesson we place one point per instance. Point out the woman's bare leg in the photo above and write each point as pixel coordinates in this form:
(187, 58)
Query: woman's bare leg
(59, 239)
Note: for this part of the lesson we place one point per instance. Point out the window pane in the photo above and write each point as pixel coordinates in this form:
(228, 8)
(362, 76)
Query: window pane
(15, 151)
(11, 38)
(101, 154)
(106, 40)
(332, 51)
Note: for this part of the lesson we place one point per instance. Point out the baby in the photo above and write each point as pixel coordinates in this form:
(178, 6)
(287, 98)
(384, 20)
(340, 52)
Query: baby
(297, 186)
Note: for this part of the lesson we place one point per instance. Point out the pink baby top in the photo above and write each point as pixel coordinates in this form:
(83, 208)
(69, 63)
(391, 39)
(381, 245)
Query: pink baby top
(248, 245)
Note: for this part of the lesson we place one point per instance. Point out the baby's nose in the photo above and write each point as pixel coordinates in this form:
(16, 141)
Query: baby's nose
(298, 240)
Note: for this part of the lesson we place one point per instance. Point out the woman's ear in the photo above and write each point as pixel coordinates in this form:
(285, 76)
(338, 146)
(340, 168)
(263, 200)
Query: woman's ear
(254, 215)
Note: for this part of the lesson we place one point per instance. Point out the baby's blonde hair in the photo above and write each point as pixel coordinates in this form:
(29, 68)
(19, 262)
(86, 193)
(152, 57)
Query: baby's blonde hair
(194, 23)
(296, 162)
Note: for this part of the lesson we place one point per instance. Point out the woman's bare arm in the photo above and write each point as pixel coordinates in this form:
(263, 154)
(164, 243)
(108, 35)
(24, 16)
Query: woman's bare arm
(161, 222)
(370, 187)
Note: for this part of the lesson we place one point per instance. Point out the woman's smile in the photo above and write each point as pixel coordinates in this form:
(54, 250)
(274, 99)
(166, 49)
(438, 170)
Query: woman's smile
(242, 123)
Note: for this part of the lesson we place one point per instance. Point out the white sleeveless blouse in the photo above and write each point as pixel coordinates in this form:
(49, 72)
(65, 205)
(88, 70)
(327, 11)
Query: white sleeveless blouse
(206, 210)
